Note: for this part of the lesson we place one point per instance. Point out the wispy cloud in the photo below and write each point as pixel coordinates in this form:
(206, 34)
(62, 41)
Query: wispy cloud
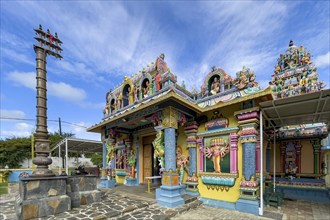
(61, 90)
(322, 60)
(12, 113)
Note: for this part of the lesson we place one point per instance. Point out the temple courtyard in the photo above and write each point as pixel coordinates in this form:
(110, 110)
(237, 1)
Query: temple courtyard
(134, 203)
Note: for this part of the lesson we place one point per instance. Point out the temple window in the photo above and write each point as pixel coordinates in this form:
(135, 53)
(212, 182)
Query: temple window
(248, 104)
(126, 94)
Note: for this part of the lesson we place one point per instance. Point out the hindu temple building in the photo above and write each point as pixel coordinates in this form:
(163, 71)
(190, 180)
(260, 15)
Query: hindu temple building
(219, 142)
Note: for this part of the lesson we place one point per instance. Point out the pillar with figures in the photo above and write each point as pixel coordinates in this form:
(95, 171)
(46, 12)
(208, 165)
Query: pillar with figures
(168, 194)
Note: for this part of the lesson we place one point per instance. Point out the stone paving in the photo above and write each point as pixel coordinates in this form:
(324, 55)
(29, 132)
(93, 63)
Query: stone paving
(122, 205)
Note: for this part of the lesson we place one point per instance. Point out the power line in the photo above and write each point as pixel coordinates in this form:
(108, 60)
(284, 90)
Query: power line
(50, 120)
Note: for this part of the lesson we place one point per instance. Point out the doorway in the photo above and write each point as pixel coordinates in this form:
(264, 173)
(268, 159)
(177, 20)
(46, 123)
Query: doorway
(150, 163)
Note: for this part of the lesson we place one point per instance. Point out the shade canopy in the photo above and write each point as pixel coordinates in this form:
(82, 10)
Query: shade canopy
(303, 109)
(79, 145)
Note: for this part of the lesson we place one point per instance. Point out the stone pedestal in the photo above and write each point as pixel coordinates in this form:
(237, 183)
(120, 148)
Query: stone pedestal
(40, 197)
(248, 206)
(131, 181)
(169, 194)
(83, 190)
(105, 183)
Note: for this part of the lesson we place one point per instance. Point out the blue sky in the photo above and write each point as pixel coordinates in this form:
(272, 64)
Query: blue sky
(104, 41)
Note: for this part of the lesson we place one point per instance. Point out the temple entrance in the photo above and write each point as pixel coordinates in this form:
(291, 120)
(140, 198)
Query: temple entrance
(151, 165)
(147, 161)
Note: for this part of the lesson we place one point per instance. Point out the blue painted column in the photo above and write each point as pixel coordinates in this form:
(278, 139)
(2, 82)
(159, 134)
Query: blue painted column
(103, 182)
(170, 149)
(192, 161)
(168, 194)
(104, 155)
(249, 160)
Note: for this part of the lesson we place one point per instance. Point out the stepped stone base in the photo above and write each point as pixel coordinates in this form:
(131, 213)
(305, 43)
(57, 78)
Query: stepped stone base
(169, 196)
(40, 197)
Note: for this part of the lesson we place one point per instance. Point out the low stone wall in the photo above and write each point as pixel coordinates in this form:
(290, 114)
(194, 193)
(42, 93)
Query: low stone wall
(39, 197)
(83, 190)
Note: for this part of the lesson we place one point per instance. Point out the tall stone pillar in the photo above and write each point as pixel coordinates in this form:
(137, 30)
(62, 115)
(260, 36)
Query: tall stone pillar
(41, 141)
(316, 150)
(168, 194)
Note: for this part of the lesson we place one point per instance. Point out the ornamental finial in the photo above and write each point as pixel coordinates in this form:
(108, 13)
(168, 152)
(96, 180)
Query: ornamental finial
(291, 43)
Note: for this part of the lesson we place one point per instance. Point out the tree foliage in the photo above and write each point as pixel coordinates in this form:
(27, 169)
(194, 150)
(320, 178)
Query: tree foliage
(14, 150)
(96, 159)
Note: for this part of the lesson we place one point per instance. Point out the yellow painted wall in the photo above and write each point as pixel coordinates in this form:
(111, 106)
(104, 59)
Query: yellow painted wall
(120, 179)
(277, 161)
(307, 157)
(233, 193)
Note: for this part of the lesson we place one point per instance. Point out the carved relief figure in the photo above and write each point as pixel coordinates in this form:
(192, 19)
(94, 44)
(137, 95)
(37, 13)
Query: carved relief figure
(159, 147)
(130, 95)
(146, 88)
(161, 65)
(158, 79)
(136, 93)
(119, 101)
(215, 87)
(242, 81)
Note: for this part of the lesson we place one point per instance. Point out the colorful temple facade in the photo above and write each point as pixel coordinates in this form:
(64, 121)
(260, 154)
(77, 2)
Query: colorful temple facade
(207, 143)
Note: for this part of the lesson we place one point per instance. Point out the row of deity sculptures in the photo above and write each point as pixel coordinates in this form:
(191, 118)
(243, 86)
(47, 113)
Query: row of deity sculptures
(138, 87)
(218, 81)
(295, 74)
(293, 57)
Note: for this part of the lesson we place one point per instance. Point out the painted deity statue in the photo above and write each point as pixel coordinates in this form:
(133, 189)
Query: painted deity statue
(119, 101)
(182, 165)
(161, 65)
(146, 89)
(130, 95)
(111, 150)
(136, 93)
(242, 81)
(158, 79)
(159, 147)
(215, 87)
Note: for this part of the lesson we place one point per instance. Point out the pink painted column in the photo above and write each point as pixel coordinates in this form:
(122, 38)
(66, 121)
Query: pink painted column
(201, 154)
(233, 153)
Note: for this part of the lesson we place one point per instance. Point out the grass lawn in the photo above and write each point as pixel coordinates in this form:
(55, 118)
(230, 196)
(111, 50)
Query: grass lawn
(3, 188)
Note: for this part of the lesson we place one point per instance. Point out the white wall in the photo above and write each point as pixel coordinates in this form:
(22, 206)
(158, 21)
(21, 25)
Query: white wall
(73, 162)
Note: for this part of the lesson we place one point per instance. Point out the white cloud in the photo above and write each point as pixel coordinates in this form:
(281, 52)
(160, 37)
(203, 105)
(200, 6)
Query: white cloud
(11, 113)
(27, 79)
(23, 127)
(59, 89)
(66, 92)
(322, 60)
